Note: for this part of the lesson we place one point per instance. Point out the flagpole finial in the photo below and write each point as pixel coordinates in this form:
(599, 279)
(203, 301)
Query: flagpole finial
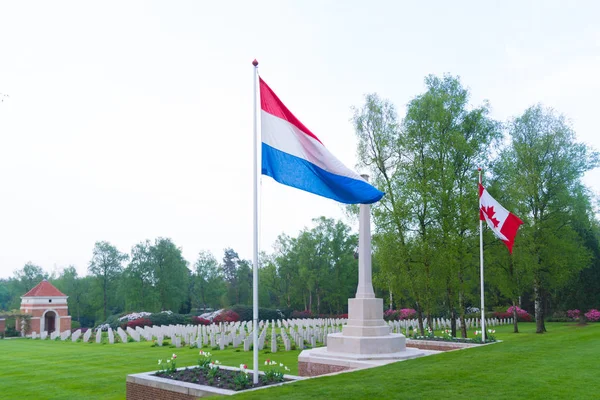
(365, 177)
(479, 169)
(255, 63)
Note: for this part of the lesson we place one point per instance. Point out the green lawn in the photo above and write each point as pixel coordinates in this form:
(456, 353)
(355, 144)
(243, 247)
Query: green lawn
(36, 369)
(563, 363)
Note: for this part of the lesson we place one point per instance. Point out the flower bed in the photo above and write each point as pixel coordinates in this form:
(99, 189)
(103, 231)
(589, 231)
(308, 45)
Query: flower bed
(149, 386)
(210, 373)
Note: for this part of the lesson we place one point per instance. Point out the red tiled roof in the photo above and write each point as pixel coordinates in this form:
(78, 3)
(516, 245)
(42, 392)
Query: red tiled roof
(44, 289)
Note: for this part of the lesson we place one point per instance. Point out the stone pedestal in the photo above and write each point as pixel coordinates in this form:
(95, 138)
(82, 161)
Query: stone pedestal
(366, 332)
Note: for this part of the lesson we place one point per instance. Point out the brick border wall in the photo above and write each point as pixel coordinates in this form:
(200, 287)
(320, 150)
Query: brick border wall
(314, 369)
(142, 392)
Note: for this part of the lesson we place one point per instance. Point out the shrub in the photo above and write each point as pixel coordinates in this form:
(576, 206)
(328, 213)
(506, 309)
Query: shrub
(391, 315)
(593, 315)
(342, 316)
(200, 321)
(141, 322)
(302, 314)
(167, 318)
(522, 315)
(246, 313)
(502, 315)
(75, 325)
(227, 316)
(573, 314)
(407, 313)
(402, 314)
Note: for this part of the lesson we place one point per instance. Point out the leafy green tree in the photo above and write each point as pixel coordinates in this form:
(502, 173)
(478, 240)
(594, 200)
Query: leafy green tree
(139, 279)
(170, 274)
(209, 285)
(70, 284)
(544, 165)
(229, 267)
(106, 266)
(427, 167)
(29, 276)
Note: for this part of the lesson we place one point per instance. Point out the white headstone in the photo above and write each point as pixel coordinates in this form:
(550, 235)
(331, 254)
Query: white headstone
(111, 336)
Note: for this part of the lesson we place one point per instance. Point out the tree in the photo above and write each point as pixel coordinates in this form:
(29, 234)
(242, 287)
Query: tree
(171, 274)
(426, 165)
(29, 276)
(139, 278)
(545, 165)
(231, 261)
(70, 284)
(209, 284)
(106, 266)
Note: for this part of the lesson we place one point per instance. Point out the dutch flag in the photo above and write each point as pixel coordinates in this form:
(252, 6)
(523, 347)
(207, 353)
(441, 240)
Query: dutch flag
(294, 156)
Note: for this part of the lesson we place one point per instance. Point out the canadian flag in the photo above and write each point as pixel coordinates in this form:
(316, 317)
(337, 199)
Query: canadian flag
(503, 223)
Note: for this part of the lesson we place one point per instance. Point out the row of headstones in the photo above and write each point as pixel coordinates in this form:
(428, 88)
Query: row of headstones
(221, 335)
(441, 323)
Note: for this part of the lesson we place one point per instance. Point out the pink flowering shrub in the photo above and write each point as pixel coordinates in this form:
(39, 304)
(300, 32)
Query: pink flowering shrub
(407, 313)
(200, 321)
(573, 314)
(390, 315)
(395, 315)
(522, 315)
(227, 316)
(141, 322)
(593, 315)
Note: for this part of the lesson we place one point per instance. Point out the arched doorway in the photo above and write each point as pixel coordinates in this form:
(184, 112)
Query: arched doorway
(50, 321)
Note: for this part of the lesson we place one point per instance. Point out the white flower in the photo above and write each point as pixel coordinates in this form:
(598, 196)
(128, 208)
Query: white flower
(281, 364)
(159, 362)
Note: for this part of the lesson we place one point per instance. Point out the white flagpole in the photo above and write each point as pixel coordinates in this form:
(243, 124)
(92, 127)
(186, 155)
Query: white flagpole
(481, 272)
(255, 235)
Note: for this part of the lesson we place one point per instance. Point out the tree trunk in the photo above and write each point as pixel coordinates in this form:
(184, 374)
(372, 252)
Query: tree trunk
(540, 327)
(391, 300)
(105, 301)
(451, 308)
(318, 302)
(461, 305)
(515, 315)
(310, 301)
(420, 320)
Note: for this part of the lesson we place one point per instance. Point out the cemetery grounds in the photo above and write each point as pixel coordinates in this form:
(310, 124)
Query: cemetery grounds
(562, 364)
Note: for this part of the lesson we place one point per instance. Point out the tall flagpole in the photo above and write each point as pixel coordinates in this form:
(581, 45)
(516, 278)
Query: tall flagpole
(255, 234)
(481, 271)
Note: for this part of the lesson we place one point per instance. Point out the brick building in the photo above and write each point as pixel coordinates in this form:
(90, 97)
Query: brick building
(48, 309)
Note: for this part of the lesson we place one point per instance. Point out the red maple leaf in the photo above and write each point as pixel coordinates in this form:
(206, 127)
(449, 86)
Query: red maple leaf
(489, 211)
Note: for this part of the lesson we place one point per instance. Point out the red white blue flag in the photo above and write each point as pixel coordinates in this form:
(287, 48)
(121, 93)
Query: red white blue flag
(294, 156)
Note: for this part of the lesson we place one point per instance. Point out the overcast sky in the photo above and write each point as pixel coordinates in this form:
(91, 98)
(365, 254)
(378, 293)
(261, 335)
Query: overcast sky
(127, 121)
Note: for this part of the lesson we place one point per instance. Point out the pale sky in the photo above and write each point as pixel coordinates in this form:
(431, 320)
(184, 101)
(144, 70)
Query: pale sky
(128, 120)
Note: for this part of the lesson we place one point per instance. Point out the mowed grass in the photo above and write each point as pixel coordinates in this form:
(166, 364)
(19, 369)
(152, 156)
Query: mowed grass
(35, 369)
(563, 364)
